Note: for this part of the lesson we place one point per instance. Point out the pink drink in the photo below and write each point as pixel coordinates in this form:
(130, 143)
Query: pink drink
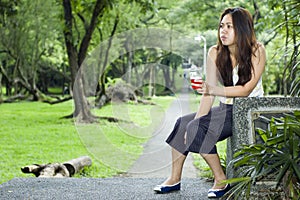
(196, 81)
(196, 78)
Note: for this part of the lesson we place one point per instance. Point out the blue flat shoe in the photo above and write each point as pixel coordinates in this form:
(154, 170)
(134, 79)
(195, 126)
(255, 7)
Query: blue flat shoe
(217, 193)
(167, 188)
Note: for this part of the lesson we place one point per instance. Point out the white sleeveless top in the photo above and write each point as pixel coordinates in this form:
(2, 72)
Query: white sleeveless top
(258, 91)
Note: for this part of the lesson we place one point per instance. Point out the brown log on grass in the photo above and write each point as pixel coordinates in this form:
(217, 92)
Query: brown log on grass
(66, 169)
(77, 164)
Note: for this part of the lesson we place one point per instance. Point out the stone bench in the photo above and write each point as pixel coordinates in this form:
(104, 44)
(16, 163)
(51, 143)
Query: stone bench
(245, 112)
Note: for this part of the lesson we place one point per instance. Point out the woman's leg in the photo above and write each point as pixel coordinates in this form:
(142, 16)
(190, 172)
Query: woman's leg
(214, 163)
(178, 160)
(179, 153)
(212, 128)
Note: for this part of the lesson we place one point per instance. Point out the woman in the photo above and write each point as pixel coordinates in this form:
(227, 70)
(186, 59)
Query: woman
(234, 69)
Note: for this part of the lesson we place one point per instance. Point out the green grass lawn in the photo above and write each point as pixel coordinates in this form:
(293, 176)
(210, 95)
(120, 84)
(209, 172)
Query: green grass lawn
(35, 133)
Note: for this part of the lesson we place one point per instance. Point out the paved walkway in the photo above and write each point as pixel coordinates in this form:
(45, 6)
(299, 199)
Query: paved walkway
(149, 170)
(156, 159)
(94, 189)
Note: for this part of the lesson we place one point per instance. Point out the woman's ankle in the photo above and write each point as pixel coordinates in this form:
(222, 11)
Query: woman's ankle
(171, 181)
(219, 184)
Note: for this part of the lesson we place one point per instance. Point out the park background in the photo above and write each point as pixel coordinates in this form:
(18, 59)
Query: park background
(44, 43)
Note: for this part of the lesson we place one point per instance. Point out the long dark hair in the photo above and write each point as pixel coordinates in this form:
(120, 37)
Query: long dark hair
(246, 45)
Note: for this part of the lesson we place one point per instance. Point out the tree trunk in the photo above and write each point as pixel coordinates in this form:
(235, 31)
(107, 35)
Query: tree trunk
(76, 57)
(102, 97)
(30, 87)
(166, 72)
(129, 55)
(173, 85)
(284, 79)
(82, 111)
(150, 92)
(295, 81)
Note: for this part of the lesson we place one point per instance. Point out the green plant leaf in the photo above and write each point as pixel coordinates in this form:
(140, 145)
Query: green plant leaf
(262, 133)
(296, 169)
(295, 128)
(275, 140)
(236, 180)
(246, 159)
(277, 156)
(283, 171)
(237, 192)
(297, 114)
(249, 149)
(245, 171)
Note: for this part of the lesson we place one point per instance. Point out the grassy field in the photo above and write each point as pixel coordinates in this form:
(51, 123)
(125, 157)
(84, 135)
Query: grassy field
(35, 133)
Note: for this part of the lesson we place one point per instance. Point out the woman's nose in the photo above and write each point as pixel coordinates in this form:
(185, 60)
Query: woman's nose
(224, 30)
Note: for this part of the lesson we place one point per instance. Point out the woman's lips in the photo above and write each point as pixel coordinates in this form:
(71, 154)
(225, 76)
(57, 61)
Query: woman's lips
(223, 38)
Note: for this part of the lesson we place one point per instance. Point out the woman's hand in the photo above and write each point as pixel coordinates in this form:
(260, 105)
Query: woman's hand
(203, 88)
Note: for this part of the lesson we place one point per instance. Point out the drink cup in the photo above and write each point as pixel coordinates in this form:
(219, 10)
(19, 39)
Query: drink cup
(196, 79)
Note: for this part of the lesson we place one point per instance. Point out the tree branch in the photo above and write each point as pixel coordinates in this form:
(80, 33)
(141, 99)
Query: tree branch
(98, 9)
(68, 35)
(86, 26)
(3, 71)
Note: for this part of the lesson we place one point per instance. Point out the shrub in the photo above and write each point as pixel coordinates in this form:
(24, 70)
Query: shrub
(276, 158)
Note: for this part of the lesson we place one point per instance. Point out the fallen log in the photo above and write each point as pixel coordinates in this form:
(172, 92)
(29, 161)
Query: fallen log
(77, 164)
(66, 169)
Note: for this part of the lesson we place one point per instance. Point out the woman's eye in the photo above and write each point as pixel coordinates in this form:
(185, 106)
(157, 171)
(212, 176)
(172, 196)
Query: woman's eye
(227, 26)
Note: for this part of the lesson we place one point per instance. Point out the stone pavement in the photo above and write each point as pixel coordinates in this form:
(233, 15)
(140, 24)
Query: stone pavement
(149, 170)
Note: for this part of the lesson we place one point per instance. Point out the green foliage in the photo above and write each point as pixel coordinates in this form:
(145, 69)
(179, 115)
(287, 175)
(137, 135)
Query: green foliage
(29, 41)
(32, 36)
(278, 158)
(280, 27)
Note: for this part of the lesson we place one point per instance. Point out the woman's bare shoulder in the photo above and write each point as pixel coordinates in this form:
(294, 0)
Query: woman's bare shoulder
(259, 49)
(213, 51)
(259, 56)
(213, 48)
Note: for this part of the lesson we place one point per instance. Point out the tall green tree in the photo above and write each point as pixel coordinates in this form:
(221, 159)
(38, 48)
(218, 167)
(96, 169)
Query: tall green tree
(77, 48)
(81, 20)
(26, 30)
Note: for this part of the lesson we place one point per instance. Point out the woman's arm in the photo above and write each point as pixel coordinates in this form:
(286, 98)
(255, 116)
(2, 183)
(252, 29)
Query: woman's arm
(206, 103)
(207, 100)
(258, 62)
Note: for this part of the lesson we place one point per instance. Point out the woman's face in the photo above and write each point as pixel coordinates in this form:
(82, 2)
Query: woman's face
(227, 31)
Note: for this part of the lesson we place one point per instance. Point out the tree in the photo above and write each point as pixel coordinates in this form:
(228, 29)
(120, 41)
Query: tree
(76, 55)
(27, 30)
(77, 46)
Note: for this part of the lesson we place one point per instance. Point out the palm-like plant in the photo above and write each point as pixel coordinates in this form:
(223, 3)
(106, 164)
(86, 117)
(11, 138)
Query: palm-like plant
(276, 158)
